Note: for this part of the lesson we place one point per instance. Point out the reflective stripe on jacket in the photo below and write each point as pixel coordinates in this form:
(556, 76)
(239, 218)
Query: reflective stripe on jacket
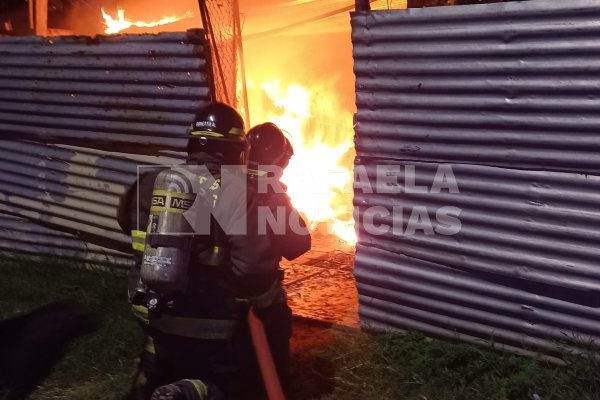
(194, 328)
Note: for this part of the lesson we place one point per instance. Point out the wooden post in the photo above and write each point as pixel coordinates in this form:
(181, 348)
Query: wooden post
(31, 15)
(41, 17)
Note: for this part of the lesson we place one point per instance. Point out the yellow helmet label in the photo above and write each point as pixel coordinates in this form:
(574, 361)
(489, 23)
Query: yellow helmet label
(206, 133)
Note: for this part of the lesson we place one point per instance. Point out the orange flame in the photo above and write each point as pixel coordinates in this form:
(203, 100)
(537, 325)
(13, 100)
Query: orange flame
(319, 182)
(121, 23)
(319, 176)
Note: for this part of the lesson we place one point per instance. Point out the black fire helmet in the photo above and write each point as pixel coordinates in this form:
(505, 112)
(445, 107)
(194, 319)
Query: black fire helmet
(218, 129)
(269, 146)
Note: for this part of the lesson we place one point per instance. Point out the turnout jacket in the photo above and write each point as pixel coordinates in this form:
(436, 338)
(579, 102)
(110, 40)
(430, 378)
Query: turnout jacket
(249, 222)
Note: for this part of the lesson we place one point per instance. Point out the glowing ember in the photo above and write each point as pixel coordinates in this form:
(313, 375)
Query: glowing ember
(121, 23)
(319, 183)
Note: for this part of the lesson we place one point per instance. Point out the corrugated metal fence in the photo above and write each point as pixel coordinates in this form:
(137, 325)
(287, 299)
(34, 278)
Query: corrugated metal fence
(503, 99)
(123, 101)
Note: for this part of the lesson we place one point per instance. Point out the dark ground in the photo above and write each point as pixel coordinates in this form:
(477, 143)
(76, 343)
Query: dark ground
(329, 361)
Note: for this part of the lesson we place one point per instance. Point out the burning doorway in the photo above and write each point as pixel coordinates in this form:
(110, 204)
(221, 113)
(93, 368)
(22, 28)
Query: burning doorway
(298, 60)
(300, 76)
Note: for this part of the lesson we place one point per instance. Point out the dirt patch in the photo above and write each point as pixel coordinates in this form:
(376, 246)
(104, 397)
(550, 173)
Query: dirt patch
(322, 294)
(321, 284)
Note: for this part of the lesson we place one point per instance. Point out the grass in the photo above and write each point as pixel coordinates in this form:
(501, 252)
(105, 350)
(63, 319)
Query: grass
(326, 363)
(411, 366)
(98, 366)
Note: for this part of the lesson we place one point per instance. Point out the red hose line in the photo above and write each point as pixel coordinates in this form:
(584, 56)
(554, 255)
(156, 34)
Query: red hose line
(264, 357)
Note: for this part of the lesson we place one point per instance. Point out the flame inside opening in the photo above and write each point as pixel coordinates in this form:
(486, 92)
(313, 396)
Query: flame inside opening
(121, 23)
(319, 176)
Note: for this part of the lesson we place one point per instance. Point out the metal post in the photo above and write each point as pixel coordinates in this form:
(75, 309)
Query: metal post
(363, 5)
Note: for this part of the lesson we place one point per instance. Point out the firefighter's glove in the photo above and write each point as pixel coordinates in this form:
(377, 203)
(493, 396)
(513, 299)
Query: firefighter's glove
(275, 295)
(187, 389)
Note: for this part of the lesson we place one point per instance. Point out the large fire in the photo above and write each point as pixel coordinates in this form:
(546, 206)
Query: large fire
(121, 23)
(318, 177)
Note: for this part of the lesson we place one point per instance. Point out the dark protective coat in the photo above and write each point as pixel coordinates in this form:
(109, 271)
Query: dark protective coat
(251, 272)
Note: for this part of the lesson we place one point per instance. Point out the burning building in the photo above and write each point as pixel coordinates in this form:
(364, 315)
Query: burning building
(107, 103)
(485, 112)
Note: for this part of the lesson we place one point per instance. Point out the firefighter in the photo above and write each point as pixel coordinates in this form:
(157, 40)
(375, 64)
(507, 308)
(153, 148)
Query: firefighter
(270, 153)
(198, 341)
(195, 338)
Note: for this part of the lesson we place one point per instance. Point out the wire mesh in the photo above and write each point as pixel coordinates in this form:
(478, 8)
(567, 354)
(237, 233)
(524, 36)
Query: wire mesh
(221, 19)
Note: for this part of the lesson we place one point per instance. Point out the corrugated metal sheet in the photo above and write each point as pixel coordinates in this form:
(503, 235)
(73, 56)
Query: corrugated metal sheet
(130, 92)
(506, 96)
(536, 225)
(72, 189)
(73, 110)
(27, 238)
(400, 291)
(511, 84)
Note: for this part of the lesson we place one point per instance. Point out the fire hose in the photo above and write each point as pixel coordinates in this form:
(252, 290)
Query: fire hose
(264, 357)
